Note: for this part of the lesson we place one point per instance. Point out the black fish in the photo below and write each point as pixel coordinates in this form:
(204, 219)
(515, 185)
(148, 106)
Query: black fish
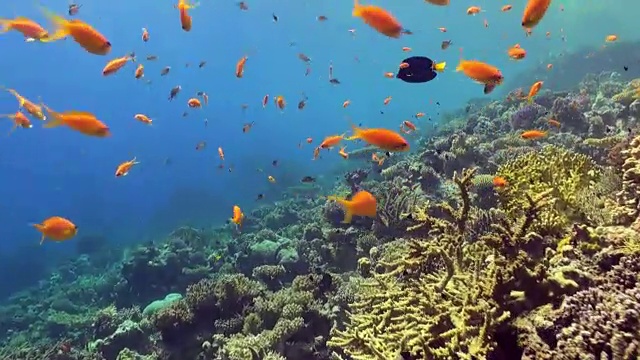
(308, 179)
(420, 70)
(260, 197)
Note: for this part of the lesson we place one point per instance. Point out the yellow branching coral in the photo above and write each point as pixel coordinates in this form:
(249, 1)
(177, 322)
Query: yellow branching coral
(629, 196)
(558, 170)
(433, 303)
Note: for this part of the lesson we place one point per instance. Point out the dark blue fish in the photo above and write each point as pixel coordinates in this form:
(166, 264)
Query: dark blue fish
(420, 70)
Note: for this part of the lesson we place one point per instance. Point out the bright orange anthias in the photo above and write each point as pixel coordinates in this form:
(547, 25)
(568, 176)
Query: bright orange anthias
(185, 19)
(19, 120)
(116, 64)
(534, 12)
(81, 121)
(82, 33)
(384, 139)
(56, 228)
(378, 18)
(31, 30)
(483, 73)
(123, 169)
(32, 108)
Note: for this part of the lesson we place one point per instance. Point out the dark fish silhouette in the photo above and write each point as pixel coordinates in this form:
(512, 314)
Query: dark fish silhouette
(420, 70)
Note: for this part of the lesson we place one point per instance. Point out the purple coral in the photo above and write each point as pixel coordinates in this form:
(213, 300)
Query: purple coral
(355, 178)
(570, 112)
(524, 117)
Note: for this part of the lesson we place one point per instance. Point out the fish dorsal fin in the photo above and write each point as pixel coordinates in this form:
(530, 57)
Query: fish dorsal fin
(22, 18)
(79, 113)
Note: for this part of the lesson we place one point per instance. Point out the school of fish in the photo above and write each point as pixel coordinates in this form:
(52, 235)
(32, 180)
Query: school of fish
(387, 140)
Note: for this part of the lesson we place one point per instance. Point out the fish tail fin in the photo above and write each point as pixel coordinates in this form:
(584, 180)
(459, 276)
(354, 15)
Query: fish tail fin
(357, 9)
(530, 100)
(356, 133)
(132, 56)
(5, 25)
(40, 228)
(459, 67)
(440, 66)
(348, 215)
(61, 29)
(54, 118)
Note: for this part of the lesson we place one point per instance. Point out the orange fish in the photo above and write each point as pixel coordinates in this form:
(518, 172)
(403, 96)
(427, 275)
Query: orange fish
(194, 103)
(116, 64)
(500, 182)
(472, 10)
(238, 216)
(406, 49)
(516, 52)
(280, 102)
(346, 103)
(549, 66)
(361, 204)
(611, 38)
(316, 153)
(389, 75)
(221, 153)
(533, 134)
(309, 140)
(84, 122)
(554, 123)
(377, 159)
(442, 29)
(534, 12)
(32, 108)
(31, 30)
(343, 153)
(240, 66)
(384, 139)
(378, 18)
(481, 72)
(143, 119)
(408, 127)
(185, 19)
(535, 88)
(246, 127)
(331, 141)
(387, 100)
(139, 72)
(145, 34)
(82, 33)
(19, 120)
(123, 169)
(506, 8)
(57, 229)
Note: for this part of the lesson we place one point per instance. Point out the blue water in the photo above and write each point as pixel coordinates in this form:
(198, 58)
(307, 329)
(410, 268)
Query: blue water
(57, 171)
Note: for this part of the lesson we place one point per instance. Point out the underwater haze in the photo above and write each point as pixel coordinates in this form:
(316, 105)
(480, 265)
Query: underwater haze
(181, 178)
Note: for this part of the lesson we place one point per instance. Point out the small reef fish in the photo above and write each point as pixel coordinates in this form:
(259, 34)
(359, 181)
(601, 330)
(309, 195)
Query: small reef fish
(271, 179)
(82, 33)
(123, 169)
(238, 216)
(174, 92)
(143, 119)
(533, 134)
(246, 127)
(308, 179)
(408, 127)
(506, 8)
(165, 70)
(118, 63)
(24, 103)
(331, 141)
(31, 30)
(139, 73)
(194, 103)
(534, 11)
(221, 153)
(438, 2)
(19, 120)
(445, 44)
(473, 10)
(516, 52)
(378, 18)
(363, 203)
(185, 19)
(554, 123)
(419, 69)
(73, 9)
(145, 34)
(343, 152)
(280, 102)
(240, 66)
(481, 72)
(533, 91)
(56, 228)
(500, 182)
(384, 139)
(81, 121)
(611, 38)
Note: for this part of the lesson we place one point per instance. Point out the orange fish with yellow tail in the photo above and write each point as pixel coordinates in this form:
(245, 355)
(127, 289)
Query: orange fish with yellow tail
(82, 33)
(56, 228)
(533, 91)
(378, 18)
(384, 139)
(362, 203)
(81, 121)
(29, 106)
(31, 30)
(483, 73)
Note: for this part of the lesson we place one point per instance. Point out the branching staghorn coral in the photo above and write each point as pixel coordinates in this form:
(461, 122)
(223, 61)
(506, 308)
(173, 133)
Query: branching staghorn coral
(442, 312)
(629, 196)
(555, 169)
(395, 206)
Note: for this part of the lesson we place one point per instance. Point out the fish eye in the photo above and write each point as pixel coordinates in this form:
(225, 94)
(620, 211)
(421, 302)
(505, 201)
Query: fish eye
(107, 44)
(75, 227)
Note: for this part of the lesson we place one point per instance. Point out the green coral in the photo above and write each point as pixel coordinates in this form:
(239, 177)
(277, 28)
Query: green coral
(561, 172)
